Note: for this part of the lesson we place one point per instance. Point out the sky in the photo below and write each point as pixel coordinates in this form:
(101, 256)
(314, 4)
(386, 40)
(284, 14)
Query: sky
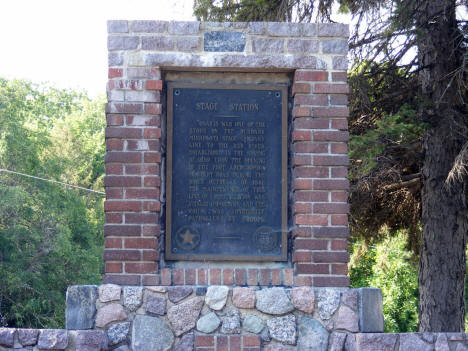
(64, 42)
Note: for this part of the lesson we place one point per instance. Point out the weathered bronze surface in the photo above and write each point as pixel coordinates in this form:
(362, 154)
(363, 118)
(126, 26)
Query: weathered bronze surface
(226, 173)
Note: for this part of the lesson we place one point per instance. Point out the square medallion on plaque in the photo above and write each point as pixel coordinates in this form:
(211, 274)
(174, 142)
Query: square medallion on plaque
(226, 172)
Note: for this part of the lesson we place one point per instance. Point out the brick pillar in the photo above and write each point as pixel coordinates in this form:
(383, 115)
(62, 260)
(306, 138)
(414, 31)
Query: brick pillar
(319, 184)
(132, 182)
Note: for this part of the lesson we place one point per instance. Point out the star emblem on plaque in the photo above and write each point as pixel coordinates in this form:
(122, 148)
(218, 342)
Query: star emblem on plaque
(265, 239)
(187, 238)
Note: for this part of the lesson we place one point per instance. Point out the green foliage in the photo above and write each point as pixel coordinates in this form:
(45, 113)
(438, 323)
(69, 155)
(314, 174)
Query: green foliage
(390, 267)
(50, 235)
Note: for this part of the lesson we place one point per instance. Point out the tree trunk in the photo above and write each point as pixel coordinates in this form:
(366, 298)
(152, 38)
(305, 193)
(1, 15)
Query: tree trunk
(444, 219)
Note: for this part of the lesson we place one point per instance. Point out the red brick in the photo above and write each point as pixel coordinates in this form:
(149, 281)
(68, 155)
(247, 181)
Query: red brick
(202, 276)
(114, 120)
(300, 207)
(311, 172)
(178, 276)
(276, 276)
(114, 169)
(234, 342)
(142, 169)
(222, 343)
(288, 274)
(300, 88)
(330, 112)
(141, 267)
(150, 194)
(124, 157)
(166, 276)
(122, 230)
(154, 85)
(303, 184)
(215, 276)
(339, 245)
(124, 107)
(252, 277)
(331, 281)
(340, 269)
(339, 196)
(151, 230)
(339, 172)
(152, 182)
(302, 281)
(151, 280)
(331, 160)
(331, 232)
(204, 340)
(121, 279)
(113, 243)
(250, 340)
(312, 196)
(325, 88)
(331, 208)
(302, 256)
(314, 100)
(143, 145)
(126, 84)
(228, 276)
(339, 99)
(331, 184)
(114, 205)
(113, 217)
(309, 219)
(115, 73)
(154, 121)
(121, 255)
(150, 255)
(310, 244)
(311, 76)
(301, 112)
(302, 160)
(190, 276)
(152, 206)
(339, 220)
(265, 276)
(114, 267)
(122, 181)
(302, 232)
(310, 147)
(140, 218)
(123, 133)
(302, 268)
(141, 243)
(330, 257)
(339, 76)
(114, 145)
(339, 148)
(341, 124)
(152, 133)
(152, 157)
(311, 123)
(331, 136)
(240, 276)
(302, 135)
(153, 109)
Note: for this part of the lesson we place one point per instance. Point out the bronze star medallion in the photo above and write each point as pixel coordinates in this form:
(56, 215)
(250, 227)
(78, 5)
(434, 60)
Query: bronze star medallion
(187, 238)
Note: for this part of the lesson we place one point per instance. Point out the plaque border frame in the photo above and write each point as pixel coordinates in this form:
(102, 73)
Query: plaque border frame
(284, 175)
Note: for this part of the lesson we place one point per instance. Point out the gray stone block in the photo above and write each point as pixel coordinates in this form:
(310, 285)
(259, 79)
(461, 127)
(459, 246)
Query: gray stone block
(81, 306)
(151, 333)
(370, 310)
(224, 41)
(117, 27)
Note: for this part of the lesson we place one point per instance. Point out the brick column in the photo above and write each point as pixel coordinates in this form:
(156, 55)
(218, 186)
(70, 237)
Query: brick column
(132, 182)
(319, 171)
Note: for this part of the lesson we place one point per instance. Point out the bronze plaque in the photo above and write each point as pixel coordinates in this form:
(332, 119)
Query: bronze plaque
(226, 173)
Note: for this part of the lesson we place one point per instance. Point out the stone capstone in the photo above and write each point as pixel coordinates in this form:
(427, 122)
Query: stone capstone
(347, 319)
(283, 329)
(27, 337)
(311, 335)
(113, 312)
(109, 292)
(273, 301)
(442, 343)
(243, 297)
(184, 316)
(303, 299)
(91, 340)
(151, 334)
(155, 304)
(328, 302)
(186, 343)
(370, 341)
(216, 297)
(208, 323)
(118, 332)
(81, 306)
(178, 293)
(370, 310)
(7, 337)
(132, 297)
(337, 342)
(253, 323)
(412, 342)
(53, 339)
(231, 322)
(224, 41)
